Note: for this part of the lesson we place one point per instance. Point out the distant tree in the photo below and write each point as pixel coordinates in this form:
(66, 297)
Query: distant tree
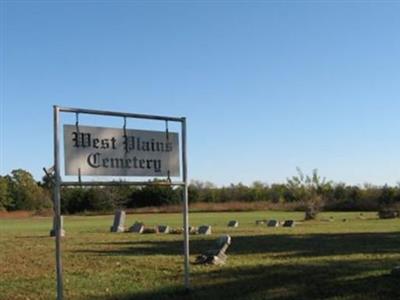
(6, 202)
(26, 193)
(279, 193)
(259, 191)
(310, 190)
(388, 206)
(99, 199)
(74, 200)
(154, 195)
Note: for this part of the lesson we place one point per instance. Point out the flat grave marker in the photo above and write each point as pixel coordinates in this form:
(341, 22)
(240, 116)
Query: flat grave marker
(261, 222)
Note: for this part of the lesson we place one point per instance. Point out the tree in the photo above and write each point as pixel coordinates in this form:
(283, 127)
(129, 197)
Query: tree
(310, 190)
(155, 195)
(26, 193)
(5, 197)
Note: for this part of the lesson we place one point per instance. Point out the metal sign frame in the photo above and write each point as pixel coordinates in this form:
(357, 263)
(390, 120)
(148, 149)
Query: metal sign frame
(58, 183)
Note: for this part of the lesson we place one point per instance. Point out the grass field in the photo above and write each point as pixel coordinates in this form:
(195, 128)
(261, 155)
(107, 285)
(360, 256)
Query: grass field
(315, 260)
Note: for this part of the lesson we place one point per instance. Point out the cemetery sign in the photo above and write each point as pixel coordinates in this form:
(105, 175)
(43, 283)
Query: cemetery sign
(103, 151)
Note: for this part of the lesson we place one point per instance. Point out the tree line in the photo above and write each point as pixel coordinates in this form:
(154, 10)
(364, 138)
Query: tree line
(20, 191)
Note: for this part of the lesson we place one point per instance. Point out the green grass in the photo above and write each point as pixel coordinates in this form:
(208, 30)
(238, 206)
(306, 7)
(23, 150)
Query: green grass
(315, 260)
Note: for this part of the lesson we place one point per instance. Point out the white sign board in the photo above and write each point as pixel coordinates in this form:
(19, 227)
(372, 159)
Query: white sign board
(101, 151)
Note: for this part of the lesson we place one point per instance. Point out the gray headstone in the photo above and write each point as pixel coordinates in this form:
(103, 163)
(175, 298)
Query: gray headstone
(273, 223)
(119, 221)
(204, 229)
(53, 231)
(289, 223)
(137, 227)
(233, 223)
(218, 255)
(163, 228)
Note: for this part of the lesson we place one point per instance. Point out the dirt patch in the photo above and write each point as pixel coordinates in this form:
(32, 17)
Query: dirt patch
(15, 214)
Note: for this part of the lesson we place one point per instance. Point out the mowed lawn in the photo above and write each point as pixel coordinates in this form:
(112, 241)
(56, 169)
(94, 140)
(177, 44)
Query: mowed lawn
(319, 259)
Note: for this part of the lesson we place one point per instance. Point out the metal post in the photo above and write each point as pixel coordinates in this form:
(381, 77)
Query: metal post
(57, 206)
(185, 205)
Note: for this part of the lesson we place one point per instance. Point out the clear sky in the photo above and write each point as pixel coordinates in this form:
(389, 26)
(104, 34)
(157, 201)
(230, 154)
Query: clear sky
(266, 86)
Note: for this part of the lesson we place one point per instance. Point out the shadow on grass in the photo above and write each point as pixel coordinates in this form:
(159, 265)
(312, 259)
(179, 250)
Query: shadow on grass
(297, 279)
(284, 282)
(285, 245)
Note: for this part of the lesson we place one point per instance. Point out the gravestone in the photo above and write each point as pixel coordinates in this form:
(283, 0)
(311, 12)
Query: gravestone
(233, 223)
(289, 223)
(62, 231)
(204, 229)
(273, 223)
(137, 227)
(119, 221)
(261, 222)
(163, 228)
(217, 255)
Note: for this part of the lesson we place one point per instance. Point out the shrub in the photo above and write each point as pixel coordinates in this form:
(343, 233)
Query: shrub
(389, 212)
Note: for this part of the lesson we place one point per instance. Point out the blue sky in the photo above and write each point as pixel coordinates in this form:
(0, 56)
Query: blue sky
(266, 86)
